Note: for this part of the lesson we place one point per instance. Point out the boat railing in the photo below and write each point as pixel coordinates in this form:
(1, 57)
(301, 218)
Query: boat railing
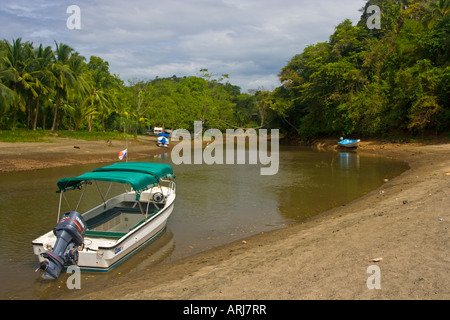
(166, 187)
(171, 187)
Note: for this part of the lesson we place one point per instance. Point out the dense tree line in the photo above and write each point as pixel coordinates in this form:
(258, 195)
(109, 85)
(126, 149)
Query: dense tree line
(373, 82)
(57, 88)
(361, 81)
(41, 87)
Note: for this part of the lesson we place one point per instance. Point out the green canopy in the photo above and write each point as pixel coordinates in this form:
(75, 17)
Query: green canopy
(139, 175)
(158, 170)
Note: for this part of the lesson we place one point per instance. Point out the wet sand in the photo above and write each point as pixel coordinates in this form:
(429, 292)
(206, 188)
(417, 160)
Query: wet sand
(402, 228)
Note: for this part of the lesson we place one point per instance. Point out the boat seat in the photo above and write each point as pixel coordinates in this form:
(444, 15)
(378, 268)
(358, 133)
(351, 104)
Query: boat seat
(108, 215)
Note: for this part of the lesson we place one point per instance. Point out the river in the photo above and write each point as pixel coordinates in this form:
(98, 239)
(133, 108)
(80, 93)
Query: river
(215, 205)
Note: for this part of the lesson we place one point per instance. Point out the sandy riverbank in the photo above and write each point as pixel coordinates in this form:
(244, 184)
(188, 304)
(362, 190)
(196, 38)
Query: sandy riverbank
(58, 152)
(402, 227)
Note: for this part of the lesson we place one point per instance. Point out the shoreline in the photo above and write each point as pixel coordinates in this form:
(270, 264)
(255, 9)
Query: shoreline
(405, 225)
(328, 256)
(60, 152)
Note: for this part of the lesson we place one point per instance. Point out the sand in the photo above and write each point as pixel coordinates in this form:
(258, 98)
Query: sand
(391, 244)
(58, 152)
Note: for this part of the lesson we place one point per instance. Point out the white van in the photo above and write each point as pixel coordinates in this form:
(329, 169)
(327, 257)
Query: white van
(157, 130)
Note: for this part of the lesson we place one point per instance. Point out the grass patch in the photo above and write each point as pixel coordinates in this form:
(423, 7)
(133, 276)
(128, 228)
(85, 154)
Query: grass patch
(23, 135)
(93, 136)
(20, 135)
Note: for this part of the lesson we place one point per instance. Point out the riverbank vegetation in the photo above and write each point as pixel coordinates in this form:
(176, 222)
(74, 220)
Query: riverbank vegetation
(360, 82)
(48, 89)
(23, 135)
(373, 82)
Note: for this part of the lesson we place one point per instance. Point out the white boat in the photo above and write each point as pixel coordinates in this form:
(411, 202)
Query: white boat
(348, 143)
(163, 140)
(105, 236)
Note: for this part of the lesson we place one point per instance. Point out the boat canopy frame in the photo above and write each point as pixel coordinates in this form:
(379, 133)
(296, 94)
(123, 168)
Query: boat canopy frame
(141, 176)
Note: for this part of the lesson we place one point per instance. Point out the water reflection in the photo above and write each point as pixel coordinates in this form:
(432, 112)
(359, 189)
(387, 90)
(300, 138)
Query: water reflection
(328, 180)
(349, 159)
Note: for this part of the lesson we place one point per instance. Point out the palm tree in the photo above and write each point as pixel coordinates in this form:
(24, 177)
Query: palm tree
(7, 95)
(78, 93)
(16, 60)
(44, 78)
(84, 110)
(100, 95)
(435, 10)
(80, 73)
(104, 87)
(63, 74)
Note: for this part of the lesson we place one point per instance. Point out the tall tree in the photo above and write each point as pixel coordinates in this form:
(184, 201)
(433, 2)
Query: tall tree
(103, 87)
(63, 75)
(16, 60)
(44, 79)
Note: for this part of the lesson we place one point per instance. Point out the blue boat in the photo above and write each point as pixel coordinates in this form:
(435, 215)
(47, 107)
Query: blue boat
(348, 143)
(163, 140)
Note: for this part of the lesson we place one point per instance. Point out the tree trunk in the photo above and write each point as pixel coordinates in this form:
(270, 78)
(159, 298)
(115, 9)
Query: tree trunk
(28, 113)
(103, 119)
(138, 109)
(136, 127)
(90, 123)
(36, 115)
(56, 110)
(15, 116)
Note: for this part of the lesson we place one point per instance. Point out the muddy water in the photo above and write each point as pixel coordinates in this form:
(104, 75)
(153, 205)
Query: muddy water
(215, 205)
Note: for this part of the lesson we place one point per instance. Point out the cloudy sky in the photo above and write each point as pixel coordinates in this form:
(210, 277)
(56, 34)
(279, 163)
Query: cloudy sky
(251, 40)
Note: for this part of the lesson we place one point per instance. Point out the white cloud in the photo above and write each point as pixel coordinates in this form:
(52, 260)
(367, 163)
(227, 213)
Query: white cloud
(251, 40)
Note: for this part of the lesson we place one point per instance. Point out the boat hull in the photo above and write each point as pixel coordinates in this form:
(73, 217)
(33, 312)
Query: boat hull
(103, 254)
(106, 258)
(349, 143)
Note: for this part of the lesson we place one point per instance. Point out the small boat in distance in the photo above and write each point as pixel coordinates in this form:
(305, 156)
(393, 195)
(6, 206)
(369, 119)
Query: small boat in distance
(163, 140)
(347, 143)
(108, 234)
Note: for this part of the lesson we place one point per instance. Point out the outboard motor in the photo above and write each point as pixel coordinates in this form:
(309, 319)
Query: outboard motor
(69, 233)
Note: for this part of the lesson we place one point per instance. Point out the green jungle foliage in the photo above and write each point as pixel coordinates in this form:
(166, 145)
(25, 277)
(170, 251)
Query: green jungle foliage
(373, 82)
(360, 82)
(46, 89)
